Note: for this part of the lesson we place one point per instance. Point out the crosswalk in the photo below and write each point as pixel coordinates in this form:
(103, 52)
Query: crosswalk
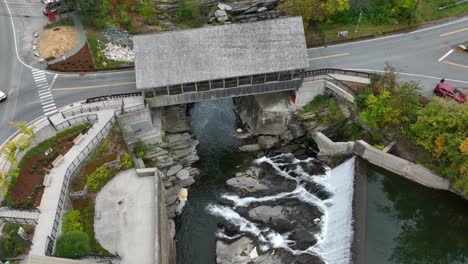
(45, 95)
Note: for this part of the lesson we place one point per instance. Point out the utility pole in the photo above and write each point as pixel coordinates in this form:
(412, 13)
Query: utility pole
(359, 21)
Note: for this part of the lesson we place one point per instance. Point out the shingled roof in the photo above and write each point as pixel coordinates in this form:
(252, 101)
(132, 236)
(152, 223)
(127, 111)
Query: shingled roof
(218, 52)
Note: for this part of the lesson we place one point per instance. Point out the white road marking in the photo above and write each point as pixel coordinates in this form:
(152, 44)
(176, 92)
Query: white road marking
(412, 74)
(53, 81)
(50, 112)
(45, 96)
(445, 56)
(43, 92)
(50, 108)
(40, 79)
(48, 105)
(47, 102)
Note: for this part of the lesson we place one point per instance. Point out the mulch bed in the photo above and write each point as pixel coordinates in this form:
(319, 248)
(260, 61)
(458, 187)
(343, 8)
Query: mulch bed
(33, 172)
(33, 168)
(82, 61)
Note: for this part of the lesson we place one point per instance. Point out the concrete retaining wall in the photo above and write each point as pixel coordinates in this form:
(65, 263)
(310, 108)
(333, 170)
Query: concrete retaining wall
(397, 165)
(164, 244)
(350, 78)
(311, 88)
(265, 114)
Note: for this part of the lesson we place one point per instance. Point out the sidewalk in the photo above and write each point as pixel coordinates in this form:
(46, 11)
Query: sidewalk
(50, 202)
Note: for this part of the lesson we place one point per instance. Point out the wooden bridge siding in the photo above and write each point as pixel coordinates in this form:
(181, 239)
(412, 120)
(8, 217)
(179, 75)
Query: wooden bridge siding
(184, 98)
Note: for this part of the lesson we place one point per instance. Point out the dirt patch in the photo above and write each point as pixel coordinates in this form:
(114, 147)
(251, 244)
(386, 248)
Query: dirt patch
(82, 61)
(57, 41)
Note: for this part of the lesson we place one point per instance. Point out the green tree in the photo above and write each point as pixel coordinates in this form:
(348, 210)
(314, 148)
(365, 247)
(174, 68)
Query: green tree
(313, 10)
(73, 244)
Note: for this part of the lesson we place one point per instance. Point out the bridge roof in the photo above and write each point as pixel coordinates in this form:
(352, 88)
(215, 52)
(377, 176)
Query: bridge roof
(218, 52)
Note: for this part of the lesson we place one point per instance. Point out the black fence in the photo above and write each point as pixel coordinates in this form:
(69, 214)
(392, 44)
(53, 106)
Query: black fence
(79, 110)
(113, 96)
(70, 170)
(129, 109)
(75, 121)
(338, 71)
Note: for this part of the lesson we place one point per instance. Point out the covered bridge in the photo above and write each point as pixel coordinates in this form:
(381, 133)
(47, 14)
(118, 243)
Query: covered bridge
(220, 61)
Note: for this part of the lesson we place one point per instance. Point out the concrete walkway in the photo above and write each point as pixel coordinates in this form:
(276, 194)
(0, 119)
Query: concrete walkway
(51, 197)
(124, 219)
(5, 212)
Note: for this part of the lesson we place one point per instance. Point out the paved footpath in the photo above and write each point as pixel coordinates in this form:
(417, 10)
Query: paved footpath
(51, 197)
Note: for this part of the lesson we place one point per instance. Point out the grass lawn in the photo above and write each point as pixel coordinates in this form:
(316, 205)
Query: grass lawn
(427, 11)
(93, 36)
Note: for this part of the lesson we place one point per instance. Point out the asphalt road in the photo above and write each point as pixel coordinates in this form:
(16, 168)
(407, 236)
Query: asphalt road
(415, 53)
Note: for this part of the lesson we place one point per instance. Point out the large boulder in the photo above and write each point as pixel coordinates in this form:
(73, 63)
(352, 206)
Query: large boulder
(250, 148)
(267, 142)
(236, 252)
(221, 15)
(245, 185)
(174, 170)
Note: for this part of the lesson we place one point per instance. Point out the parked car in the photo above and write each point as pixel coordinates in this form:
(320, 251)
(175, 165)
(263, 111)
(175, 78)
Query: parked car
(56, 8)
(3, 96)
(446, 90)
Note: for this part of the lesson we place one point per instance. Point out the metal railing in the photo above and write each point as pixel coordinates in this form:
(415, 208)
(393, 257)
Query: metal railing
(337, 71)
(75, 121)
(341, 84)
(24, 209)
(112, 96)
(79, 110)
(18, 220)
(129, 109)
(83, 155)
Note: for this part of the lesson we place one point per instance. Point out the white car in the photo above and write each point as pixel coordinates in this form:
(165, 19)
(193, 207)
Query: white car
(49, 1)
(2, 96)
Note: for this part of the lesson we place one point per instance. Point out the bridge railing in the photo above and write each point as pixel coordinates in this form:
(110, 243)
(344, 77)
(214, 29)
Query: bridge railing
(113, 96)
(338, 71)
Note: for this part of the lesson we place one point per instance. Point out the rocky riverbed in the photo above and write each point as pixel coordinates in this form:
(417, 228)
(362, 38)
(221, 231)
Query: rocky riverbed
(281, 210)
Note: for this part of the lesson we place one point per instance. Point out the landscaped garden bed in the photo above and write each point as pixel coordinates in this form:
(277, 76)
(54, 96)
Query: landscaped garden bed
(78, 224)
(82, 61)
(26, 189)
(12, 244)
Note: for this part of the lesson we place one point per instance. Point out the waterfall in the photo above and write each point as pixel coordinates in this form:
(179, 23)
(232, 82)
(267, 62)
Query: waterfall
(334, 239)
(338, 232)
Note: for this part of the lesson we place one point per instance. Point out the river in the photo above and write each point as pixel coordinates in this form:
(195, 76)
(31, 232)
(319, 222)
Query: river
(405, 223)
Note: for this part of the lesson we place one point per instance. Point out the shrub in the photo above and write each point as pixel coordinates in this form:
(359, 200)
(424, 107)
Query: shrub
(139, 149)
(98, 179)
(12, 245)
(165, 138)
(126, 161)
(71, 221)
(73, 244)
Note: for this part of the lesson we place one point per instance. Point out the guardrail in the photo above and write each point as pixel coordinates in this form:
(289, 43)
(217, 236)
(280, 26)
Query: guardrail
(113, 96)
(24, 209)
(75, 121)
(129, 109)
(337, 71)
(70, 170)
(79, 110)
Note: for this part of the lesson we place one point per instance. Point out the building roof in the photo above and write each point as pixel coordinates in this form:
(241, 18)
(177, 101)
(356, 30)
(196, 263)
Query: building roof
(218, 52)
